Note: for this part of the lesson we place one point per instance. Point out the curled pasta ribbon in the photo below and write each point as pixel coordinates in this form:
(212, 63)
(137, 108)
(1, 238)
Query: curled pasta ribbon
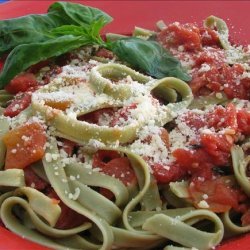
(234, 54)
(221, 26)
(180, 230)
(83, 131)
(168, 89)
(25, 228)
(240, 163)
(232, 228)
(102, 79)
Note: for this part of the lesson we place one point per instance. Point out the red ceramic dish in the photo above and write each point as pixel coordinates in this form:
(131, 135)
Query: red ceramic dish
(145, 14)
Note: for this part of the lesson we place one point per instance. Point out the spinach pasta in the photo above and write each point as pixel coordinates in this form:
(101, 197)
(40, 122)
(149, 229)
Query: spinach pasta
(131, 143)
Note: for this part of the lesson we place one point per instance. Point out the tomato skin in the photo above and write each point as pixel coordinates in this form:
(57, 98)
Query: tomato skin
(220, 196)
(122, 113)
(68, 146)
(163, 175)
(26, 140)
(111, 163)
(218, 147)
(21, 83)
(245, 219)
(33, 180)
(243, 120)
(102, 157)
(68, 218)
(21, 102)
(175, 35)
(222, 117)
(37, 67)
(93, 117)
(209, 37)
(105, 53)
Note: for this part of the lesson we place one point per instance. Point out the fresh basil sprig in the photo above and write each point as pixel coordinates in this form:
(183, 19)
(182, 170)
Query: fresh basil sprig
(148, 56)
(33, 38)
(36, 28)
(68, 26)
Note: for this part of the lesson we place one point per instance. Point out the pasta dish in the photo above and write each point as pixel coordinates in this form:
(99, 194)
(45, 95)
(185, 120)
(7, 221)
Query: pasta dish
(123, 142)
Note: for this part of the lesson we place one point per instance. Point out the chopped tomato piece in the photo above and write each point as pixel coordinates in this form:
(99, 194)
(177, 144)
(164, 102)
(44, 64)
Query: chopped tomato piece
(111, 163)
(245, 219)
(93, 117)
(243, 119)
(25, 145)
(33, 180)
(68, 146)
(222, 117)
(68, 218)
(217, 195)
(209, 37)
(176, 34)
(21, 83)
(102, 157)
(105, 53)
(121, 169)
(196, 162)
(21, 102)
(166, 174)
(37, 67)
(122, 113)
(61, 105)
(218, 147)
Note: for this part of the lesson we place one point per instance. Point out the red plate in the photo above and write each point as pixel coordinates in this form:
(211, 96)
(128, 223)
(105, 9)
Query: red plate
(145, 14)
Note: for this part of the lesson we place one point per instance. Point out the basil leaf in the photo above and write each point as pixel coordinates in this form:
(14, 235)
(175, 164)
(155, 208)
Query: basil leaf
(79, 14)
(91, 31)
(25, 55)
(27, 29)
(148, 56)
(35, 28)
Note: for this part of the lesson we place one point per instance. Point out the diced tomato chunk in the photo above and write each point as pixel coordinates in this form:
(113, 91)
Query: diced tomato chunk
(68, 146)
(111, 163)
(243, 119)
(166, 174)
(245, 219)
(186, 35)
(33, 180)
(37, 67)
(58, 104)
(102, 157)
(68, 218)
(105, 53)
(25, 145)
(218, 147)
(93, 117)
(122, 113)
(222, 117)
(21, 102)
(217, 194)
(21, 83)
(209, 37)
